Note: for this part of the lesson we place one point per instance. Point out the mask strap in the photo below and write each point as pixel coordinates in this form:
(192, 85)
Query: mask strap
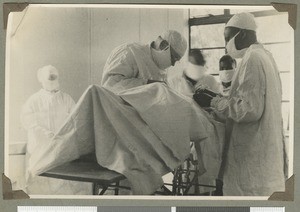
(235, 35)
(238, 33)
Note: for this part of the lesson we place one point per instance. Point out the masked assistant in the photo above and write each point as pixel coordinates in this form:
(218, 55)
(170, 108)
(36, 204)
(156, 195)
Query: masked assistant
(241, 21)
(226, 75)
(233, 51)
(42, 116)
(48, 77)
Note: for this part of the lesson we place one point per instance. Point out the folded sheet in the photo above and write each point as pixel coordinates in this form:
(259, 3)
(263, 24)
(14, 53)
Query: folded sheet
(143, 133)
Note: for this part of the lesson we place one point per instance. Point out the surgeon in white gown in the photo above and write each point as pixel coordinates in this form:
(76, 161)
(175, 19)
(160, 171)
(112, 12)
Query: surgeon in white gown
(255, 163)
(135, 64)
(132, 65)
(42, 116)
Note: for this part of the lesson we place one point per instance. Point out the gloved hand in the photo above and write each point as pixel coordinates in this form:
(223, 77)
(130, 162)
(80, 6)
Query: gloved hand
(153, 81)
(44, 131)
(50, 134)
(219, 104)
(203, 97)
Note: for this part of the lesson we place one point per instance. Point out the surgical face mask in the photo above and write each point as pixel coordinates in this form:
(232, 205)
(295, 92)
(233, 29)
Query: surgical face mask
(50, 85)
(50, 82)
(231, 48)
(195, 72)
(162, 58)
(52, 77)
(48, 77)
(226, 75)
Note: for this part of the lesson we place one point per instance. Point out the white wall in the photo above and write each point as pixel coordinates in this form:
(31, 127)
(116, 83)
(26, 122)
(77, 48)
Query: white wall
(109, 29)
(113, 27)
(58, 37)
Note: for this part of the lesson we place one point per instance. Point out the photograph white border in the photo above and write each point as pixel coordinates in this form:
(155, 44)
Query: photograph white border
(165, 6)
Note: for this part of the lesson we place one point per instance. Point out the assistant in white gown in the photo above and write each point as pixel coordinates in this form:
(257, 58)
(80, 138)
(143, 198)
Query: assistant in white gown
(42, 116)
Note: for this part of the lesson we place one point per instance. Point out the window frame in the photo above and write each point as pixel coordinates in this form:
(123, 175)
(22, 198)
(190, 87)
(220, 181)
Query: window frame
(223, 19)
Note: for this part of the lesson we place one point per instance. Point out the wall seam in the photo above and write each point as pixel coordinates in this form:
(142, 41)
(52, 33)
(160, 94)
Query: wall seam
(140, 25)
(168, 19)
(90, 45)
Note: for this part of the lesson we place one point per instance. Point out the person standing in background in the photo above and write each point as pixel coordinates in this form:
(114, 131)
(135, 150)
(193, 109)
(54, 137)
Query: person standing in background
(42, 116)
(227, 67)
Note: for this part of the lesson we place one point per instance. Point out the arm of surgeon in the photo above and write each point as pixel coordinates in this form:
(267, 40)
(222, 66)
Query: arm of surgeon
(120, 71)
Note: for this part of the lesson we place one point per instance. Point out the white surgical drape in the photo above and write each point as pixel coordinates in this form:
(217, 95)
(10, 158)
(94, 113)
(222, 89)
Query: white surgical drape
(143, 133)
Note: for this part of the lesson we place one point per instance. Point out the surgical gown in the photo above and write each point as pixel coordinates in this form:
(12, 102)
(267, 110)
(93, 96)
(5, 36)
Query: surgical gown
(255, 156)
(42, 115)
(130, 65)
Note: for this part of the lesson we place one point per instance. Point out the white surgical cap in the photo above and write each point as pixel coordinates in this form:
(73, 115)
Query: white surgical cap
(242, 21)
(176, 40)
(44, 72)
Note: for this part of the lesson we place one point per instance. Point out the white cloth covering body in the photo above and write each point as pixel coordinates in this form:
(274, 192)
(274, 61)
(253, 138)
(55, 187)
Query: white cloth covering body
(42, 115)
(143, 133)
(255, 156)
